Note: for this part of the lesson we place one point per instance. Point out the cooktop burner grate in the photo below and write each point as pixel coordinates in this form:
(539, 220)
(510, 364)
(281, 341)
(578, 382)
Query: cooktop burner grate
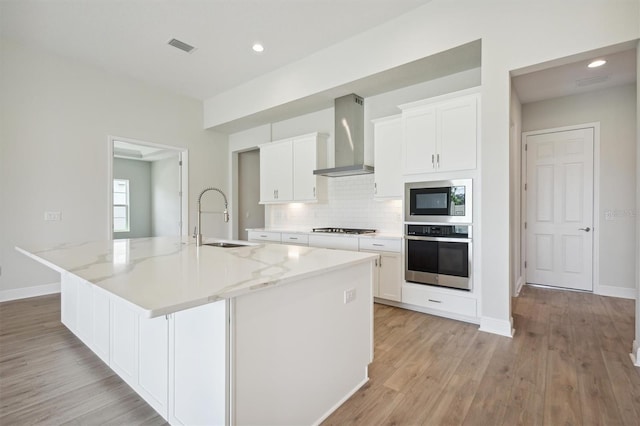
(344, 230)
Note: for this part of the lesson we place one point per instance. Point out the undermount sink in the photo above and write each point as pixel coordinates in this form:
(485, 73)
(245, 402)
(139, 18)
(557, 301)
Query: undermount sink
(225, 245)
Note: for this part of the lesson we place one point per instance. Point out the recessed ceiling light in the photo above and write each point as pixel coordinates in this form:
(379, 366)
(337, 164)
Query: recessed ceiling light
(258, 48)
(597, 63)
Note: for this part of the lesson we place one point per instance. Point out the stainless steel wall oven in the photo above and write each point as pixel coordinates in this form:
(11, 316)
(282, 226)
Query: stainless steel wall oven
(439, 255)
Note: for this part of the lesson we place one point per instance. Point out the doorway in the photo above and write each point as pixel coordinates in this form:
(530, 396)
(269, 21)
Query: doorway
(147, 182)
(559, 224)
(250, 212)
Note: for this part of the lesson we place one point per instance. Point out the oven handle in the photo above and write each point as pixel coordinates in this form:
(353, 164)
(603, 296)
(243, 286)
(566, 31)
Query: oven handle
(447, 240)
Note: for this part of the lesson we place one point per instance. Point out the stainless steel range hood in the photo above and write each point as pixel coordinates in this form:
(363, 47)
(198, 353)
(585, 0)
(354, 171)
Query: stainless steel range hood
(348, 139)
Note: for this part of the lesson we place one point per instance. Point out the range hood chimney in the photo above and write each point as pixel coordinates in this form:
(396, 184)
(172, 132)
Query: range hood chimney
(348, 139)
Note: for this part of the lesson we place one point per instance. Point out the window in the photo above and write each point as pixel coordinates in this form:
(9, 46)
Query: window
(120, 205)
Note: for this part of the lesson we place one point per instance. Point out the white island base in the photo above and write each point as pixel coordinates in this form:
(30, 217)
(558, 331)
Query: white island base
(284, 354)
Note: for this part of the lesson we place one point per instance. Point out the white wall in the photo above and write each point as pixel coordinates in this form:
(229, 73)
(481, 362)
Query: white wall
(615, 109)
(56, 117)
(139, 175)
(514, 34)
(165, 198)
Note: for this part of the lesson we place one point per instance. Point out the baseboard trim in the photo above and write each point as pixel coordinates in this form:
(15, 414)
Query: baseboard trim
(496, 326)
(613, 291)
(635, 353)
(26, 292)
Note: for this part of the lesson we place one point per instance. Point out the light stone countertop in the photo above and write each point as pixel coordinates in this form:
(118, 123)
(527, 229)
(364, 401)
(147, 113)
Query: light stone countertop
(163, 275)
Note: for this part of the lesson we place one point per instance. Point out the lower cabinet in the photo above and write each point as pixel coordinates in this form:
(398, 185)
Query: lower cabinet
(439, 300)
(264, 236)
(176, 363)
(388, 272)
(390, 276)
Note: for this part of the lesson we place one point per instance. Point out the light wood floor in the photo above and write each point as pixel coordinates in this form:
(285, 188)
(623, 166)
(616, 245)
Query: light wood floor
(568, 364)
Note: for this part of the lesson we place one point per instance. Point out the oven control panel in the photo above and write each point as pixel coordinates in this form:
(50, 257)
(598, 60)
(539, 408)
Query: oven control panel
(443, 231)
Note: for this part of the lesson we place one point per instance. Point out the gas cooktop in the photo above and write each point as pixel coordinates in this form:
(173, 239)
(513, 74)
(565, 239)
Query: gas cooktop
(344, 230)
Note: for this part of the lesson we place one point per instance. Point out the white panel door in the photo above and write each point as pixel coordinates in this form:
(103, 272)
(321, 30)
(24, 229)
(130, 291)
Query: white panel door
(560, 209)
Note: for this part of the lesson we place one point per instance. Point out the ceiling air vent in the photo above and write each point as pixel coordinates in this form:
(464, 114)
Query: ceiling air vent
(181, 45)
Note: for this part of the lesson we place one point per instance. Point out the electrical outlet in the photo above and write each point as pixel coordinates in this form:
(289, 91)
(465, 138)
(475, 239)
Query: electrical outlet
(52, 216)
(349, 295)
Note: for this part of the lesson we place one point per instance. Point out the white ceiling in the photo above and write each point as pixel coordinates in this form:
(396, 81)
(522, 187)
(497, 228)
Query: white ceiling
(130, 37)
(571, 76)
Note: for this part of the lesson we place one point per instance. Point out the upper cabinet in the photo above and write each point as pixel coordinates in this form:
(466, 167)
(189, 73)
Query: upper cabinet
(388, 158)
(440, 136)
(286, 169)
(276, 171)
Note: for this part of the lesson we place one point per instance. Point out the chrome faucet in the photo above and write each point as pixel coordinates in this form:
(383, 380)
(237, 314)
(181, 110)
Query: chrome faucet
(225, 213)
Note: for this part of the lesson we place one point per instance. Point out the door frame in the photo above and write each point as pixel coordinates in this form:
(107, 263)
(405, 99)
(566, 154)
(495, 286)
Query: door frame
(595, 267)
(183, 154)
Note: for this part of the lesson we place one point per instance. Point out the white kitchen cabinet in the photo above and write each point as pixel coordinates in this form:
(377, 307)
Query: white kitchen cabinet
(153, 353)
(69, 301)
(124, 341)
(439, 300)
(388, 157)
(440, 136)
(286, 169)
(309, 154)
(264, 236)
(388, 271)
(297, 239)
(198, 364)
(101, 323)
(276, 172)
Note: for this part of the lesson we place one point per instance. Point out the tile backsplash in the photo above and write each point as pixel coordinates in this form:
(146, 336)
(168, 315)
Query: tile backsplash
(349, 204)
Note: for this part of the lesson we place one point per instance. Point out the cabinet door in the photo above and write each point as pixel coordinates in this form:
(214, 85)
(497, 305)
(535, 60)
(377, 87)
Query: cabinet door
(84, 326)
(276, 172)
(101, 326)
(457, 134)
(69, 301)
(390, 274)
(388, 158)
(419, 140)
(153, 364)
(198, 365)
(124, 342)
(304, 163)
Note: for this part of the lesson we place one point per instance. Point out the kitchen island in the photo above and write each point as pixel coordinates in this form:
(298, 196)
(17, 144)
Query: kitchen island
(262, 334)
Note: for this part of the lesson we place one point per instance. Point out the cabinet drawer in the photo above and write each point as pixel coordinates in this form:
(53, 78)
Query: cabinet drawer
(380, 244)
(301, 239)
(416, 294)
(264, 236)
(326, 241)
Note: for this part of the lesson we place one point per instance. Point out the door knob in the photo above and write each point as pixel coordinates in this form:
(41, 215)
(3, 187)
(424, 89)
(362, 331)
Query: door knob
(587, 229)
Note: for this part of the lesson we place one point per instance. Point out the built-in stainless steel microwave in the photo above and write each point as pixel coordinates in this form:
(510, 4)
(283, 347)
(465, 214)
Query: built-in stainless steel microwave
(443, 201)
